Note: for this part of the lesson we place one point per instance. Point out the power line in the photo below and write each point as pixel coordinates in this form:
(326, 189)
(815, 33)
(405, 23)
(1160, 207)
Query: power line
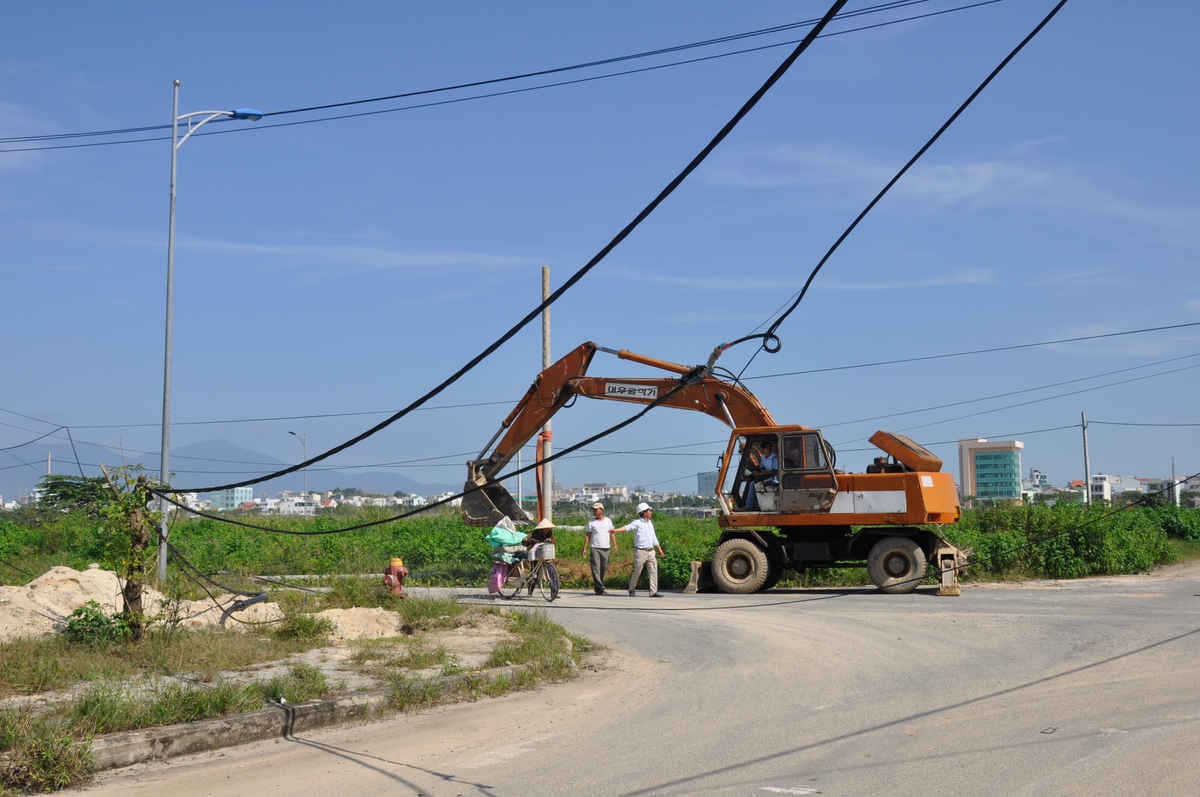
(1052, 398)
(642, 215)
(1151, 425)
(967, 353)
(34, 440)
(1012, 392)
(509, 403)
(769, 341)
(493, 94)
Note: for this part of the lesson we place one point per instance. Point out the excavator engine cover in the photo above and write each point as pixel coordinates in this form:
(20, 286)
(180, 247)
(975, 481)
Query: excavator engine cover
(907, 450)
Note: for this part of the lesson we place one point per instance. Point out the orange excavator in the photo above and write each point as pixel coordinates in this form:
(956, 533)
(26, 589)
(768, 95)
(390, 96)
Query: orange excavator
(783, 504)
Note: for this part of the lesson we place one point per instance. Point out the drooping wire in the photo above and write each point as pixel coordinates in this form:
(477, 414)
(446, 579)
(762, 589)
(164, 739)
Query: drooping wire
(675, 182)
(682, 383)
(34, 440)
(75, 451)
(774, 327)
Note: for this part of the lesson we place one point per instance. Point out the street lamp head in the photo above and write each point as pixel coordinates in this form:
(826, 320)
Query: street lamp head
(249, 114)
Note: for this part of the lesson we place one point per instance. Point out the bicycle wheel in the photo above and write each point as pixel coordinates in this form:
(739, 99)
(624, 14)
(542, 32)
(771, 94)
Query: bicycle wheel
(517, 576)
(547, 580)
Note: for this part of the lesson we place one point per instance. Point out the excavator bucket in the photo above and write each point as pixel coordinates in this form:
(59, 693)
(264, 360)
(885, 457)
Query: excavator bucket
(485, 504)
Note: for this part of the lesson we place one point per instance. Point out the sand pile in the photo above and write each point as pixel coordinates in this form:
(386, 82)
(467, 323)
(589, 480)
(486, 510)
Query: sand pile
(43, 605)
(362, 623)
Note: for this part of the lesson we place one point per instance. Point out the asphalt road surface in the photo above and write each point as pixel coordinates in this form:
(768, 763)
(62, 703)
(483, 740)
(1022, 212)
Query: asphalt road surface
(1084, 687)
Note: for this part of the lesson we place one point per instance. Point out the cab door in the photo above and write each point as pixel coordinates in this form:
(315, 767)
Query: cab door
(808, 482)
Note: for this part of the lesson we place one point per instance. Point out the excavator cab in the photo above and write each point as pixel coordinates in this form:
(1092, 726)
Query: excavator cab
(781, 471)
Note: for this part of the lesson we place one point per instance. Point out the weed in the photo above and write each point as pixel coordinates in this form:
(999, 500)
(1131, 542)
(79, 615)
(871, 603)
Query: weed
(300, 684)
(420, 657)
(43, 755)
(541, 643)
(306, 628)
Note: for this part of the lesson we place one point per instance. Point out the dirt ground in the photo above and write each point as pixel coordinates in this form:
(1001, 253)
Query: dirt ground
(42, 607)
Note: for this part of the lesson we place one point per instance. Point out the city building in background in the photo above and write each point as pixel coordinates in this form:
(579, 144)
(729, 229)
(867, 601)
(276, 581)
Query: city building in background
(226, 500)
(989, 471)
(706, 483)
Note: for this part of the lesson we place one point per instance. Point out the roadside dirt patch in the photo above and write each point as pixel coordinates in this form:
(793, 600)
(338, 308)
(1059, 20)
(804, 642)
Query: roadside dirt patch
(43, 605)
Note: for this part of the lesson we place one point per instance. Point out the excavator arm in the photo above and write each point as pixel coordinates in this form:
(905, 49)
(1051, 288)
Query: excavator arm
(486, 500)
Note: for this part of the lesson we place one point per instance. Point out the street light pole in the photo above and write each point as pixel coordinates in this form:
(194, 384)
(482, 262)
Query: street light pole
(176, 142)
(303, 438)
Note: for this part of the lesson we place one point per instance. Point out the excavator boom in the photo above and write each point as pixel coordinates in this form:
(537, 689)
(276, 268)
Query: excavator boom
(486, 500)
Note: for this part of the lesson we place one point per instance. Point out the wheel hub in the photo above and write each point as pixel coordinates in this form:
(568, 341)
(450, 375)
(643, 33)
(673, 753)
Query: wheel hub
(738, 567)
(895, 565)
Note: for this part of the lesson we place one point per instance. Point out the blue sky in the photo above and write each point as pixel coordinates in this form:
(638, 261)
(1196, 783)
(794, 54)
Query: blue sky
(350, 265)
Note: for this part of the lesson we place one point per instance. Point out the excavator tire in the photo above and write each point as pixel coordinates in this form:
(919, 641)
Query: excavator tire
(775, 567)
(740, 567)
(896, 564)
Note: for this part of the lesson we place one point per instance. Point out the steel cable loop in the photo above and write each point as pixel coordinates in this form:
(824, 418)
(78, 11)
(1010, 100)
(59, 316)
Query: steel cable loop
(692, 165)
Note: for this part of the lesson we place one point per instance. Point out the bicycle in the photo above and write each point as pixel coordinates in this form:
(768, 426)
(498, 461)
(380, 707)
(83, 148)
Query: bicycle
(539, 574)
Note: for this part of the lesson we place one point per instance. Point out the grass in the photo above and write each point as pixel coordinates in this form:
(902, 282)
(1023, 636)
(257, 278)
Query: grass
(545, 651)
(28, 666)
(47, 748)
(44, 756)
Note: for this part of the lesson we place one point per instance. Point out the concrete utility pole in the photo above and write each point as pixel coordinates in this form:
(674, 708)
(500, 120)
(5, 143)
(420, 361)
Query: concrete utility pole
(547, 475)
(1087, 465)
(1174, 485)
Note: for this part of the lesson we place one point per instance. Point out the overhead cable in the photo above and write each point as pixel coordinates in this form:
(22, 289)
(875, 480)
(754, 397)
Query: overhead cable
(536, 312)
(769, 341)
(510, 402)
(522, 76)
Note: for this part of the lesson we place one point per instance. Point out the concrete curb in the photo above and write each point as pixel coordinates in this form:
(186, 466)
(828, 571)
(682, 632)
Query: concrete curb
(122, 749)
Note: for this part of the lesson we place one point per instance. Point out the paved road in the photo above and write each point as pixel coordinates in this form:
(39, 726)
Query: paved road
(1088, 687)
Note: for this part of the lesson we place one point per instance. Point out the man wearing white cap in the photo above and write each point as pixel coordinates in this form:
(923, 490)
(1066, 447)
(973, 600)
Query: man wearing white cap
(646, 550)
(601, 540)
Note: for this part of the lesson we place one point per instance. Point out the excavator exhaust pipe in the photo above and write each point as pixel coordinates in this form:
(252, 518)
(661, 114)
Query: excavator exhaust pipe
(484, 504)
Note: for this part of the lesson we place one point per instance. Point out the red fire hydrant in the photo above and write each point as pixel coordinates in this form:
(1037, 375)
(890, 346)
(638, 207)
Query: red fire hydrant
(394, 575)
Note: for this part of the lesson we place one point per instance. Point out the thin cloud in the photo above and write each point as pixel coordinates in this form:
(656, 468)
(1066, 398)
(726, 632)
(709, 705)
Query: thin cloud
(361, 258)
(18, 121)
(313, 260)
(1157, 345)
(1089, 277)
(968, 276)
(962, 277)
(1010, 179)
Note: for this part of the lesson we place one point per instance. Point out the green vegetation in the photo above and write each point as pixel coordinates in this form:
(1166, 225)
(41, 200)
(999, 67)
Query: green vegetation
(542, 651)
(1066, 540)
(45, 744)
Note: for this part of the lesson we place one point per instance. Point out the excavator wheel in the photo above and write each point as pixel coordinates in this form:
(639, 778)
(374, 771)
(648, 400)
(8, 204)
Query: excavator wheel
(740, 567)
(775, 568)
(896, 564)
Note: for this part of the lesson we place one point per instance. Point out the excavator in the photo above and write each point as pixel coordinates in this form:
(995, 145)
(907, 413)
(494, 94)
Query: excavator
(798, 512)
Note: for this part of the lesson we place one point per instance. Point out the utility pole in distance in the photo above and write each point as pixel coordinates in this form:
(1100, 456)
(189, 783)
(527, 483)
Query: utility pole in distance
(1087, 466)
(547, 475)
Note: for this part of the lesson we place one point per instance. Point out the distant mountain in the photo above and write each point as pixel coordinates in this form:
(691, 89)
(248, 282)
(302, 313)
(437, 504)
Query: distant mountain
(198, 465)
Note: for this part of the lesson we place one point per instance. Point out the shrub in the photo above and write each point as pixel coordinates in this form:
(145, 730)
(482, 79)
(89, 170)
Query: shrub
(306, 628)
(89, 625)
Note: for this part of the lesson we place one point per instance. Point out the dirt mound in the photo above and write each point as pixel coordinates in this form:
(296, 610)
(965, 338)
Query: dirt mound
(362, 623)
(43, 605)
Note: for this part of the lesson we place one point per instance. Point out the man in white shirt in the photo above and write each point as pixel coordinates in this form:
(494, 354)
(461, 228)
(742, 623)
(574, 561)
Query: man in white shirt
(601, 540)
(646, 550)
